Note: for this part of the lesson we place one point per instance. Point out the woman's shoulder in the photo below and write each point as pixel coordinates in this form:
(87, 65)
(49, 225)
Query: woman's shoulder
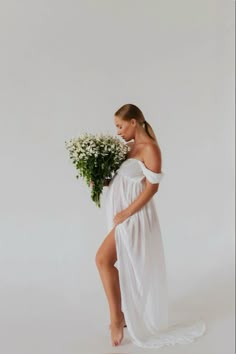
(151, 148)
(145, 149)
(152, 157)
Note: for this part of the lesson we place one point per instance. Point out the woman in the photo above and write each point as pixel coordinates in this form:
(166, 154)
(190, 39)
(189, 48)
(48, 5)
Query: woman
(136, 289)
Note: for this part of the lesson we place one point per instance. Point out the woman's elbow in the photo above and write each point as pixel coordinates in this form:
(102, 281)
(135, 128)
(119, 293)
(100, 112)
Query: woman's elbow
(153, 187)
(156, 188)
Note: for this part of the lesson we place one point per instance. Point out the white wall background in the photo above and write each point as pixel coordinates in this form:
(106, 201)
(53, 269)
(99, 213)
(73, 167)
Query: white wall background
(65, 68)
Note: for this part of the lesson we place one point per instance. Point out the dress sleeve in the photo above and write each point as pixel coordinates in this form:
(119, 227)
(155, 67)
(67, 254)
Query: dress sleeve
(153, 177)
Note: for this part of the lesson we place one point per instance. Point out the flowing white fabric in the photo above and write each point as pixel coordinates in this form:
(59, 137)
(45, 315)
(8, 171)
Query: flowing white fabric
(141, 262)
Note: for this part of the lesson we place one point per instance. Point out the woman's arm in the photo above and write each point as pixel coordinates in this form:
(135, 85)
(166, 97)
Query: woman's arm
(152, 160)
(137, 204)
(143, 198)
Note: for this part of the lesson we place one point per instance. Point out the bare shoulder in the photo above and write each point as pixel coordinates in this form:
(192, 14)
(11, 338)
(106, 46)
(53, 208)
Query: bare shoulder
(152, 157)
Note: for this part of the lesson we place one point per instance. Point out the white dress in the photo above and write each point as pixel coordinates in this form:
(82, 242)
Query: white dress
(141, 262)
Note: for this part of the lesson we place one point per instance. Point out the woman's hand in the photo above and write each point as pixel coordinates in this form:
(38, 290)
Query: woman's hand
(121, 216)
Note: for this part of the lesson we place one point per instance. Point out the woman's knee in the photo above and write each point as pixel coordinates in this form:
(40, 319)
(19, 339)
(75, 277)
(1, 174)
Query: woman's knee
(104, 260)
(106, 254)
(98, 259)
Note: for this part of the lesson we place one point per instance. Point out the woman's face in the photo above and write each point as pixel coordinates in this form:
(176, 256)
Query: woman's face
(125, 128)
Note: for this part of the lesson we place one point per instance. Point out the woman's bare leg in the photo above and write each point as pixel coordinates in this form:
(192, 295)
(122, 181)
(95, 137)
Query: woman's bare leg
(105, 259)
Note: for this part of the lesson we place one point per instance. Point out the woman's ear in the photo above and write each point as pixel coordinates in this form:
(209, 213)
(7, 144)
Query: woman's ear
(133, 122)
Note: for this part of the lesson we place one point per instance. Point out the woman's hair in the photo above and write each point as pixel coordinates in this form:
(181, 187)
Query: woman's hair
(130, 111)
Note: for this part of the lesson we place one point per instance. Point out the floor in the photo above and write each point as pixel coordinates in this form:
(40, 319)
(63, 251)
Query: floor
(57, 321)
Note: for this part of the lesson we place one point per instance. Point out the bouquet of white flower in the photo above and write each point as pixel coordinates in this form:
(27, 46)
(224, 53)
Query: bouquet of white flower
(97, 158)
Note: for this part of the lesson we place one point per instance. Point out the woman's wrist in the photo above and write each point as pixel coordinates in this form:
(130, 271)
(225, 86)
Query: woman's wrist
(129, 212)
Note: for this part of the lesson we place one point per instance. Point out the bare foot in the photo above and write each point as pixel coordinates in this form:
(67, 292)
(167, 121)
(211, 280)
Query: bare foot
(116, 328)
